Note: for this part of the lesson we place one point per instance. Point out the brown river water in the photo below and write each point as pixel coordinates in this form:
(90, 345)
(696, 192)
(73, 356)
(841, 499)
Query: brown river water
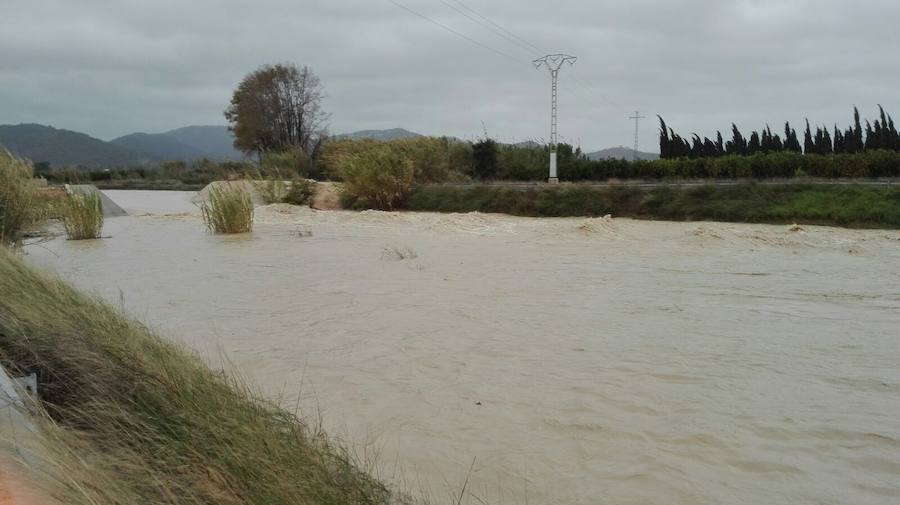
(563, 361)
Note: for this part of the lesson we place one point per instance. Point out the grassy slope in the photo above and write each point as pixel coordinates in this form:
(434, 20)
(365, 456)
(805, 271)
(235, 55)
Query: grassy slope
(132, 418)
(843, 205)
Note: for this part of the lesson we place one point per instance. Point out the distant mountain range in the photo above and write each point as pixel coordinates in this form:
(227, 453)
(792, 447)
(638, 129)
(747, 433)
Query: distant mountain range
(621, 153)
(188, 143)
(612, 153)
(66, 148)
(380, 135)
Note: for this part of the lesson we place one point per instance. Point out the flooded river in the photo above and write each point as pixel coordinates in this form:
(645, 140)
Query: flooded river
(565, 361)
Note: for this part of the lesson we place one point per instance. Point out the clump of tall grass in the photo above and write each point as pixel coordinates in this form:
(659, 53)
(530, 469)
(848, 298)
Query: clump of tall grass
(274, 189)
(82, 216)
(133, 418)
(229, 209)
(20, 207)
(271, 190)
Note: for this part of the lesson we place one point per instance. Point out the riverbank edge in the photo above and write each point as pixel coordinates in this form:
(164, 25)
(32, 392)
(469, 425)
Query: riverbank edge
(845, 205)
(129, 417)
(148, 185)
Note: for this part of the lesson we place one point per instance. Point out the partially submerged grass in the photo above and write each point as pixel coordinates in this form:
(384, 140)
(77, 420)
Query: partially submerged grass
(228, 210)
(397, 253)
(271, 190)
(134, 419)
(842, 205)
(82, 216)
(296, 191)
(20, 207)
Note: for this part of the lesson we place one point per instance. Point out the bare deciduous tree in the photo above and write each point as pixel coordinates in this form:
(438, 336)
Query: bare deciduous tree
(278, 107)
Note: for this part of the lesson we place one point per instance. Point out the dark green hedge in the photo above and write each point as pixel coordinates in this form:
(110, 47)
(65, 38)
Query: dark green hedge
(761, 166)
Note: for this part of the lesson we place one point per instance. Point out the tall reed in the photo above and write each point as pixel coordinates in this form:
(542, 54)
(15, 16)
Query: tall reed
(19, 206)
(82, 216)
(228, 210)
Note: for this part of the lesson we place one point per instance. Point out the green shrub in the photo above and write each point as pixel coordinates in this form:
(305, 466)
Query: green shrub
(296, 192)
(271, 190)
(300, 192)
(82, 216)
(484, 154)
(20, 208)
(228, 210)
(335, 151)
(530, 164)
(380, 178)
(290, 163)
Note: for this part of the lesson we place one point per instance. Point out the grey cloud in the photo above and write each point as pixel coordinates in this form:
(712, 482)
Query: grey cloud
(113, 67)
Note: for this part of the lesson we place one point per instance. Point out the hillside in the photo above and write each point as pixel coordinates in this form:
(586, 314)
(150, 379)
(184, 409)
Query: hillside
(620, 153)
(213, 141)
(380, 135)
(66, 148)
(188, 143)
(156, 146)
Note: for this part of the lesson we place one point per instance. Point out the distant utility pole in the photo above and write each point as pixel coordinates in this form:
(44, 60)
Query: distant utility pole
(637, 118)
(553, 62)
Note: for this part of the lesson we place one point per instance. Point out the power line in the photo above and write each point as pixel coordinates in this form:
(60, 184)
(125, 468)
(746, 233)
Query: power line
(482, 23)
(578, 81)
(458, 34)
(511, 34)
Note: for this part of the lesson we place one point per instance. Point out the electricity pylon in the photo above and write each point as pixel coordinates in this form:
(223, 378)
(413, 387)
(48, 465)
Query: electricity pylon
(554, 62)
(637, 117)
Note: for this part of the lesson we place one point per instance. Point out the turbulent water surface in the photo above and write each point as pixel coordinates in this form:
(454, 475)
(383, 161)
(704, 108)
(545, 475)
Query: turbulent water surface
(561, 360)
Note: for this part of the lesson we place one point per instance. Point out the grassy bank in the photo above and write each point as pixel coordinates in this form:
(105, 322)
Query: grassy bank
(841, 205)
(130, 418)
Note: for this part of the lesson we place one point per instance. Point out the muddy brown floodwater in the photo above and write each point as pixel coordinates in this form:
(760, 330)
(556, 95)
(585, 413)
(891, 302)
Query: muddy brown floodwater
(576, 361)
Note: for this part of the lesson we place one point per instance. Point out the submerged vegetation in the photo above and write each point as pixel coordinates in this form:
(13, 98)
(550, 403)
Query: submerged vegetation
(229, 209)
(82, 216)
(275, 189)
(128, 417)
(843, 205)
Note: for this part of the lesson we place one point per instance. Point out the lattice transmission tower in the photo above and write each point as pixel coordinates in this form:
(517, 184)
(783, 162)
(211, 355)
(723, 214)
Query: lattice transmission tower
(637, 118)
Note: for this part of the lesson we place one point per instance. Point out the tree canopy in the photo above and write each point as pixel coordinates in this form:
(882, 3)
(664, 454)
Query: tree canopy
(879, 135)
(278, 107)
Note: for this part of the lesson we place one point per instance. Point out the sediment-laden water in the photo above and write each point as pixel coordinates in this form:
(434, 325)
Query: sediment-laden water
(574, 361)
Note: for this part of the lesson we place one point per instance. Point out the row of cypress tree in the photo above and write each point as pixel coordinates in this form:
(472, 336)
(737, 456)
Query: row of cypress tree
(855, 139)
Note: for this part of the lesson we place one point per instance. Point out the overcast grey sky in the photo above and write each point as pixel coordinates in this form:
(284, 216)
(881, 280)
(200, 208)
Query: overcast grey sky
(111, 67)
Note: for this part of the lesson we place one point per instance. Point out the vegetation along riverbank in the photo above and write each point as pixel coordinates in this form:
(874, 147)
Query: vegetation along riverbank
(127, 417)
(839, 205)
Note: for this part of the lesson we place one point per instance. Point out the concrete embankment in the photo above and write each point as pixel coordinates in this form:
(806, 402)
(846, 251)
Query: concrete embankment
(19, 443)
(110, 208)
